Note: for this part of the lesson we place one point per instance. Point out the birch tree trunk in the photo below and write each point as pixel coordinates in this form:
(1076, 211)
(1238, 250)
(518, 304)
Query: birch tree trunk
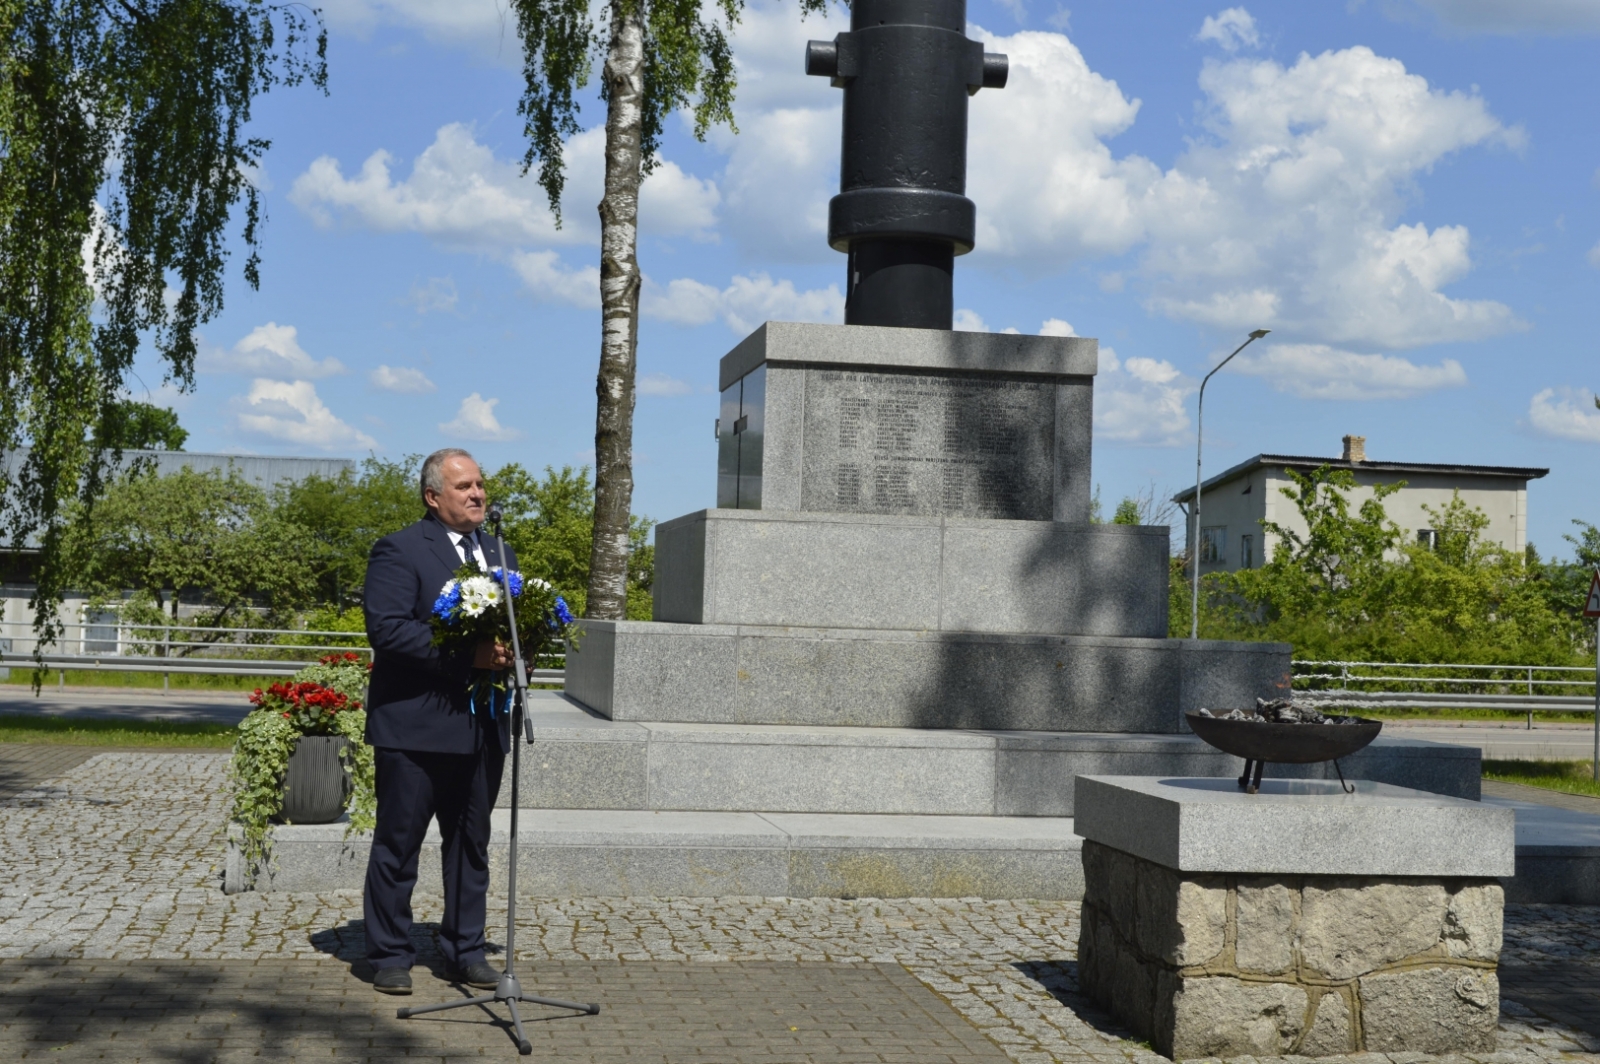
(619, 313)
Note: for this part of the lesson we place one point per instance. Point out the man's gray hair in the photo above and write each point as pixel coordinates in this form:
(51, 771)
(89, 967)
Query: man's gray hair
(433, 470)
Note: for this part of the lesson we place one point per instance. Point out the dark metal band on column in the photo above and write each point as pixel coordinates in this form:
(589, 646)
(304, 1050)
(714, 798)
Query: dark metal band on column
(902, 215)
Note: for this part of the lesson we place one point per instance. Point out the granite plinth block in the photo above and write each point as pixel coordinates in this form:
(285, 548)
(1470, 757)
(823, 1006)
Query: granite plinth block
(862, 419)
(1227, 965)
(750, 674)
(599, 853)
(580, 761)
(919, 573)
(1299, 827)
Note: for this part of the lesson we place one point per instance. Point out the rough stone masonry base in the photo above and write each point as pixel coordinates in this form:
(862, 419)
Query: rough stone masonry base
(1231, 965)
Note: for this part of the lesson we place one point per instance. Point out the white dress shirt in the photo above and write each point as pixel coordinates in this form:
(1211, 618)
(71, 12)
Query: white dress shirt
(464, 542)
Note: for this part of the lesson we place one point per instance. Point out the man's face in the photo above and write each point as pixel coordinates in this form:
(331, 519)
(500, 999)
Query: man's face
(460, 505)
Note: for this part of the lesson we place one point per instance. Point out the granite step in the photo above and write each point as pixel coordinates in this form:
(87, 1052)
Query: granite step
(633, 853)
(627, 853)
(580, 760)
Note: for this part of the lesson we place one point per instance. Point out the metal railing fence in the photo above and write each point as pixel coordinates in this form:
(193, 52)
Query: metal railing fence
(189, 649)
(1525, 689)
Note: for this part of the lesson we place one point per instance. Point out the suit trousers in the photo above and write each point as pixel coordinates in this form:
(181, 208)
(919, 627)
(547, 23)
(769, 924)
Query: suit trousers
(413, 787)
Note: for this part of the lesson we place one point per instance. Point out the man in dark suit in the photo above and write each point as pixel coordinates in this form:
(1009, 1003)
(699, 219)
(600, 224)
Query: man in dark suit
(435, 754)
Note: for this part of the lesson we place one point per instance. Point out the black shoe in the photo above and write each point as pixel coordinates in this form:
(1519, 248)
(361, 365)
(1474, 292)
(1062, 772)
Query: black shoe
(392, 980)
(479, 975)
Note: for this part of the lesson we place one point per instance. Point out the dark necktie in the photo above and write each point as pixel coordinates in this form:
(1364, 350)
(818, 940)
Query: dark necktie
(468, 542)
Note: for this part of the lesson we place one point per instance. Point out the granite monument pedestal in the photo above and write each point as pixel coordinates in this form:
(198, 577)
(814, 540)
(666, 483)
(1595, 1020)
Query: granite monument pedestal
(1300, 920)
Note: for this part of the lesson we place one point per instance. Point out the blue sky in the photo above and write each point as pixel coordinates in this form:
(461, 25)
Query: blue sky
(1407, 192)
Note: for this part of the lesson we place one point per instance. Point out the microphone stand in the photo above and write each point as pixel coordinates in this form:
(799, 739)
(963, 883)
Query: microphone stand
(509, 990)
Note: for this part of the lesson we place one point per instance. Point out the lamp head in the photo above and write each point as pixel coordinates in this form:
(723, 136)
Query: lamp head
(1259, 333)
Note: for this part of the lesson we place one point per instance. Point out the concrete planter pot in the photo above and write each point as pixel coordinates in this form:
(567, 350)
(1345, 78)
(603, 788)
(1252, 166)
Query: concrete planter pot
(316, 786)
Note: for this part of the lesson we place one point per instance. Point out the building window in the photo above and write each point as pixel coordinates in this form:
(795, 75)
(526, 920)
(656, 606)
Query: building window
(1429, 538)
(100, 632)
(1247, 552)
(1213, 544)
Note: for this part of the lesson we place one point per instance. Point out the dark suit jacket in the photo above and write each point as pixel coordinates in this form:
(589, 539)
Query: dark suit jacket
(418, 697)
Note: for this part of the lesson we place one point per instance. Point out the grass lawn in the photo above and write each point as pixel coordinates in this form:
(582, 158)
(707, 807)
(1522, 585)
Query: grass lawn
(21, 729)
(1574, 777)
(1496, 716)
(22, 676)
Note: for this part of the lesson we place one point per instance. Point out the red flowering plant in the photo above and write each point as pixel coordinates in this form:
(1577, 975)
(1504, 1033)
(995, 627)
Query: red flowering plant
(310, 707)
(322, 699)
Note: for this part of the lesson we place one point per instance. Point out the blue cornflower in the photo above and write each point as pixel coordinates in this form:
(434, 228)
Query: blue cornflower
(447, 601)
(563, 614)
(514, 579)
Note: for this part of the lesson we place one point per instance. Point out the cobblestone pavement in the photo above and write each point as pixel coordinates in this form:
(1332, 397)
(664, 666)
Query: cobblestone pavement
(120, 859)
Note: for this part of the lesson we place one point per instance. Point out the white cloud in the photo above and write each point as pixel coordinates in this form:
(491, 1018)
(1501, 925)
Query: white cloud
(1141, 400)
(968, 321)
(1231, 29)
(661, 384)
(459, 195)
(291, 412)
(485, 26)
(1284, 215)
(1057, 327)
(401, 379)
(743, 305)
(1317, 371)
(1571, 417)
(1594, 256)
(1517, 16)
(475, 420)
(438, 294)
(551, 281)
(270, 350)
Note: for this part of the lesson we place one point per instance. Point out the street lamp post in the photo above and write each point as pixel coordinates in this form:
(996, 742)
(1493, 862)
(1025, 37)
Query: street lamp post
(1194, 540)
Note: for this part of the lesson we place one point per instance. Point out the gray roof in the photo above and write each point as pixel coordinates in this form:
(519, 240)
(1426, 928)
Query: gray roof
(1307, 462)
(265, 471)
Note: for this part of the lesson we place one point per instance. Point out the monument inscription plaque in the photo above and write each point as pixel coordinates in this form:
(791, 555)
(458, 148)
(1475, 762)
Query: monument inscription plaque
(902, 443)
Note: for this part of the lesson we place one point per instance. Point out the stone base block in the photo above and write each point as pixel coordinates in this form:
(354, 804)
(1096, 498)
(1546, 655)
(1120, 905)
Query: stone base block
(821, 570)
(597, 853)
(581, 761)
(1225, 965)
(744, 674)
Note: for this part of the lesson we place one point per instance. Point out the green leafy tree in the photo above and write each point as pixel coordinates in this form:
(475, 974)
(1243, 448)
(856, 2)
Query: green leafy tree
(202, 536)
(124, 149)
(658, 57)
(1352, 588)
(136, 426)
(345, 515)
(1127, 513)
(549, 522)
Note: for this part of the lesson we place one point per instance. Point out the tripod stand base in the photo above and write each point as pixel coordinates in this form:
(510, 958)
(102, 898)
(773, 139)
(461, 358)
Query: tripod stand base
(509, 992)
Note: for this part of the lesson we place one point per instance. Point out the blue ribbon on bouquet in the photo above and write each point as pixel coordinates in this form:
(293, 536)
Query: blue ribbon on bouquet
(496, 699)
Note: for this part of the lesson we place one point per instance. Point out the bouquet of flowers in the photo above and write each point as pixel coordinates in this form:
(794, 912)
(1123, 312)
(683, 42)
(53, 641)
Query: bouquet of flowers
(471, 609)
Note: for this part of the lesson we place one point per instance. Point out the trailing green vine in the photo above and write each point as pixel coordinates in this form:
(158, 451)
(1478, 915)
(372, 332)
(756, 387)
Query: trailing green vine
(321, 699)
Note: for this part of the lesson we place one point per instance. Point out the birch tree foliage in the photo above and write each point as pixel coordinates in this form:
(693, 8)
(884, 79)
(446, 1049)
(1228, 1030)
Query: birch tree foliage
(657, 57)
(123, 154)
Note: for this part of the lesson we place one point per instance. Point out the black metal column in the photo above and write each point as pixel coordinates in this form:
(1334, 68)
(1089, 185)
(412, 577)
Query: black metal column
(902, 215)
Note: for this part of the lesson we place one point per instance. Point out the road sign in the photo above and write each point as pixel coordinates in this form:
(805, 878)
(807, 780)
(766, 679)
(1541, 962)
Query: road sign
(1592, 607)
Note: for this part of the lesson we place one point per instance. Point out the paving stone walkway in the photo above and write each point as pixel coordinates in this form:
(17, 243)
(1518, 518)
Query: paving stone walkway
(116, 865)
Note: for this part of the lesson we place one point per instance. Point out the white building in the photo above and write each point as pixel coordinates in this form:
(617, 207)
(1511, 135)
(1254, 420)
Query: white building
(1235, 502)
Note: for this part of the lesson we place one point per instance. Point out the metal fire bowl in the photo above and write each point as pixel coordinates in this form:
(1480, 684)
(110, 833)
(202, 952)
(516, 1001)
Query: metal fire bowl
(1285, 744)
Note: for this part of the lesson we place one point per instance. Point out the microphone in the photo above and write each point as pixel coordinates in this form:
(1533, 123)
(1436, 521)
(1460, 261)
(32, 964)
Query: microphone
(494, 515)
